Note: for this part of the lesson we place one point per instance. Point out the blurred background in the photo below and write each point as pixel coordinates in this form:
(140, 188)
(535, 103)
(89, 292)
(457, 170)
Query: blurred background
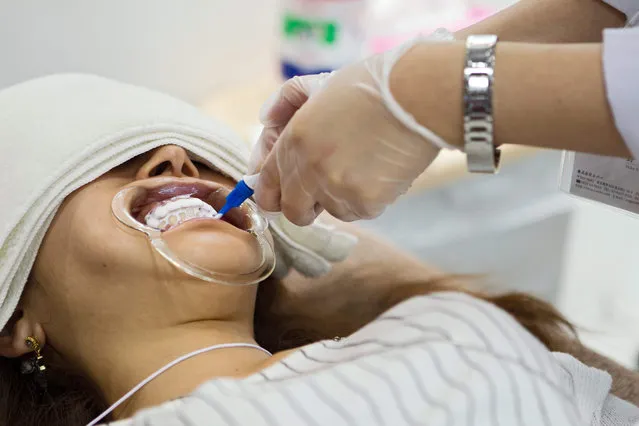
(228, 56)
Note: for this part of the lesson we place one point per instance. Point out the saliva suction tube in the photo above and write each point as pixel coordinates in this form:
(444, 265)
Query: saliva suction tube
(160, 208)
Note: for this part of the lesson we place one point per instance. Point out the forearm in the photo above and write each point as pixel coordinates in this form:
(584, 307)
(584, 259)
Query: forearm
(549, 21)
(548, 96)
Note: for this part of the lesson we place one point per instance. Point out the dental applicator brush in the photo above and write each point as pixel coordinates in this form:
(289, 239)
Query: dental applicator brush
(242, 191)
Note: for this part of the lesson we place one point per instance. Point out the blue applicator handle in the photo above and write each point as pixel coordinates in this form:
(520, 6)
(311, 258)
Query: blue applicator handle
(242, 191)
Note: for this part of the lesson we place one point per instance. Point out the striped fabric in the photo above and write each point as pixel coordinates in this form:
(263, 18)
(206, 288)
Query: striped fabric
(442, 359)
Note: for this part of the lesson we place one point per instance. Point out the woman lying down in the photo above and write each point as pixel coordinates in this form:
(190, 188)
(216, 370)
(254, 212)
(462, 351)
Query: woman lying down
(121, 286)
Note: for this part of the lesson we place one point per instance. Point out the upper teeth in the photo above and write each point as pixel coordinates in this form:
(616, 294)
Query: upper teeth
(177, 210)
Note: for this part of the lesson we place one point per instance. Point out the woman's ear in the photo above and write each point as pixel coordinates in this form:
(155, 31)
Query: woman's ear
(13, 338)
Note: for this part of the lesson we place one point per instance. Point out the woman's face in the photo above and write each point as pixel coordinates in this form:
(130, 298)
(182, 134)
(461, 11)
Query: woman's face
(92, 274)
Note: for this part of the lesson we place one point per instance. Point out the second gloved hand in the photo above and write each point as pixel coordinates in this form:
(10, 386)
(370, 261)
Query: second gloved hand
(339, 142)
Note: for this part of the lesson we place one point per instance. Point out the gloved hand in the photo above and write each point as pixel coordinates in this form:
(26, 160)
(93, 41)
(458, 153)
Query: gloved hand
(339, 142)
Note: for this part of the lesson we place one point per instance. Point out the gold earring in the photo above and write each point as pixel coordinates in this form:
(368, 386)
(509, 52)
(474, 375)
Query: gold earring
(35, 364)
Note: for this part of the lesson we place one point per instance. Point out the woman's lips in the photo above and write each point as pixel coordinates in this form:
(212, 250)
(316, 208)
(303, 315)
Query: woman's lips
(210, 194)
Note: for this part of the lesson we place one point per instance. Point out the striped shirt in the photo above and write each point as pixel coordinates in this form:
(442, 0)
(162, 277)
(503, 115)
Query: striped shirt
(441, 359)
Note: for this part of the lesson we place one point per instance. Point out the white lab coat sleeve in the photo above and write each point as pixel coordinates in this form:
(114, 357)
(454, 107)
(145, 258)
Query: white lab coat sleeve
(629, 7)
(621, 68)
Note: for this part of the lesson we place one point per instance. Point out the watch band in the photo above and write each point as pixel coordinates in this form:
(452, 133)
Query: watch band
(482, 156)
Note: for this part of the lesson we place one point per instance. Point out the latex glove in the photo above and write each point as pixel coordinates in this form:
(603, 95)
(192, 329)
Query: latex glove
(310, 250)
(340, 142)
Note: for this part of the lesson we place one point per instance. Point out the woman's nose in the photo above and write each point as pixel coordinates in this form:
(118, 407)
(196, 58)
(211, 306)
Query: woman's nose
(168, 160)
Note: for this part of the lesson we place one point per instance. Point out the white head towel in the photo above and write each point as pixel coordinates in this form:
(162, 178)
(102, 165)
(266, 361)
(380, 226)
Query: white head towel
(61, 132)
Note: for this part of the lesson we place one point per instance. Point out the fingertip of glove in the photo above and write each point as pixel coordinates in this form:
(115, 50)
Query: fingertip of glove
(266, 108)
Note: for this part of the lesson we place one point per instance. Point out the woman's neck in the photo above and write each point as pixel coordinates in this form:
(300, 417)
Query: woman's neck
(118, 368)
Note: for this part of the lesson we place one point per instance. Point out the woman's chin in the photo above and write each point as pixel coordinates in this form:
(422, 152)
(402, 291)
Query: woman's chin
(215, 245)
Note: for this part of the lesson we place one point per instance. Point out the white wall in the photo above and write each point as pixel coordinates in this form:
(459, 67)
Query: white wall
(187, 48)
(600, 283)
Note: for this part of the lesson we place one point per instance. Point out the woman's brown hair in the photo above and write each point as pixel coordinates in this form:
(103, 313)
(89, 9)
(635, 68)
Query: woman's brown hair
(71, 400)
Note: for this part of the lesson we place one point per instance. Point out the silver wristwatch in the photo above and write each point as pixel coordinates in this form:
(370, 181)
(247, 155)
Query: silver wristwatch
(482, 155)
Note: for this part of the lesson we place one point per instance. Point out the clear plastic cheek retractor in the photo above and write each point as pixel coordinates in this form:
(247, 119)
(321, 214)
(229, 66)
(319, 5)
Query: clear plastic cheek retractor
(189, 221)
